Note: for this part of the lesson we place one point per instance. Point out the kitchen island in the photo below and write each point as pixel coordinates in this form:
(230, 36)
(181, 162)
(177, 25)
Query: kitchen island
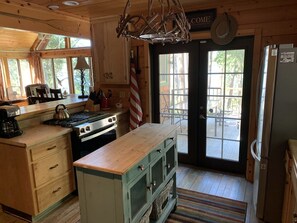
(121, 181)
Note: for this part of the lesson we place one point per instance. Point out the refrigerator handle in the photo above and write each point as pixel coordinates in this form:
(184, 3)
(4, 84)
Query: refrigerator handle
(254, 155)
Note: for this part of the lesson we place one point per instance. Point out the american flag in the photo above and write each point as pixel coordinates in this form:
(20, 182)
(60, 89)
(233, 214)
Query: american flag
(135, 103)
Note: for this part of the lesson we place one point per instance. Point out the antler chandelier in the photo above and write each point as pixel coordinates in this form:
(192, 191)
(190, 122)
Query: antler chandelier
(168, 24)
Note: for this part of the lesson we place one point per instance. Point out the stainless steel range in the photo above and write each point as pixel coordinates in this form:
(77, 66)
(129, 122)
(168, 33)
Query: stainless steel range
(91, 130)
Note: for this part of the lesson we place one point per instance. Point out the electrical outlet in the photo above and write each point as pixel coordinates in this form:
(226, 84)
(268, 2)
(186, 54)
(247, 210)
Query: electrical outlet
(122, 94)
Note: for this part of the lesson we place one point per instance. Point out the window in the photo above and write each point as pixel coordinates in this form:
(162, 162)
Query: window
(77, 42)
(19, 75)
(56, 73)
(55, 42)
(77, 79)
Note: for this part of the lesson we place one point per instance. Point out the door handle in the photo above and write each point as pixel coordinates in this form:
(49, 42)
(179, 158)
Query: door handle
(202, 117)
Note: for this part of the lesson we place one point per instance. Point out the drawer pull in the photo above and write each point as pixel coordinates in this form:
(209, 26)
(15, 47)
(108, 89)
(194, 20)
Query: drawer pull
(159, 150)
(141, 167)
(55, 191)
(53, 167)
(50, 148)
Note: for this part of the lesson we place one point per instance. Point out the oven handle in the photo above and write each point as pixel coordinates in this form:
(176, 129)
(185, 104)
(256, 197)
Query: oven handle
(83, 139)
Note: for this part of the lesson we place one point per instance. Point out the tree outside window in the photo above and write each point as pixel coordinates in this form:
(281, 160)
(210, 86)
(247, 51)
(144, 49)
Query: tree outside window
(19, 75)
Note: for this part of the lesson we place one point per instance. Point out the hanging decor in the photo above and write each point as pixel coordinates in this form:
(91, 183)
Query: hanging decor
(164, 23)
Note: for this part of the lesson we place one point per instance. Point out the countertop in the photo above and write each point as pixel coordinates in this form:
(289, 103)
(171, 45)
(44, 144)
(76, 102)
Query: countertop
(35, 135)
(122, 154)
(41, 132)
(37, 109)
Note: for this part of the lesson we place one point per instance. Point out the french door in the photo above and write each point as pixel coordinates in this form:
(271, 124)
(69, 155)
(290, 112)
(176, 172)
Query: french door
(204, 89)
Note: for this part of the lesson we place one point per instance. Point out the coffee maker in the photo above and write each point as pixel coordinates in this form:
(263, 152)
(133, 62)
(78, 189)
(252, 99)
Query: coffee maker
(8, 125)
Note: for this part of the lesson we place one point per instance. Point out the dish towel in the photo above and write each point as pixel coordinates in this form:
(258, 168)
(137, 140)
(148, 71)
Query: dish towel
(135, 103)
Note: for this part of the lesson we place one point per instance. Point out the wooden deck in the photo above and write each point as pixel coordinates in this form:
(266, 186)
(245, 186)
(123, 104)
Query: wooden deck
(210, 182)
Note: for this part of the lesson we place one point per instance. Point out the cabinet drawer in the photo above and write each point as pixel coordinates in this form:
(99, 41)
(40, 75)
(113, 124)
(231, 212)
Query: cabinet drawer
(50, 147)
(138, 169)
(156, 152)
(55, 191)
(51, 167)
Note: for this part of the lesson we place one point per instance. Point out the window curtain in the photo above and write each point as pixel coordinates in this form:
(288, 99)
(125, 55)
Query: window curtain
(2, 94)
(37, 75)
(2, 87)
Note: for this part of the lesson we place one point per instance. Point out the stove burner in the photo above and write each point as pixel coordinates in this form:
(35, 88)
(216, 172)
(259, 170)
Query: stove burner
(77, 119)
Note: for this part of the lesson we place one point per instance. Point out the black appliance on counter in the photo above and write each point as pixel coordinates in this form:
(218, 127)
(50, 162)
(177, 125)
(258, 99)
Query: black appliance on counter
(8, 125)
(91, 130)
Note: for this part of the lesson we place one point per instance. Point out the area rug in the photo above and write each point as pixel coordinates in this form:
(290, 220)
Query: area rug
(195, 207)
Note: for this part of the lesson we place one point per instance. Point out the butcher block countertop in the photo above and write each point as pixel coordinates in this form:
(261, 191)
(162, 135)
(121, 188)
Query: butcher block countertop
(122, 154)
(36, 109)
(35, 135)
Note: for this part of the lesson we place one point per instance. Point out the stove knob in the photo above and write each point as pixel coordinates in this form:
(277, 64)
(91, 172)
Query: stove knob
(114, 118)
(110, 119)
(82, 130)
(88, 128)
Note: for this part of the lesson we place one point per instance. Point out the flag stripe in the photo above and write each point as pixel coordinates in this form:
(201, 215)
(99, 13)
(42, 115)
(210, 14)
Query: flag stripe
(135, 103)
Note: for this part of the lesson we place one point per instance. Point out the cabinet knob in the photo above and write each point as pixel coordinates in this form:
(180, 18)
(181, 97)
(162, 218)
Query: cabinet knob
(168, 166)
(159, 150)
(141, 167)
(150, 187)
(154, 183)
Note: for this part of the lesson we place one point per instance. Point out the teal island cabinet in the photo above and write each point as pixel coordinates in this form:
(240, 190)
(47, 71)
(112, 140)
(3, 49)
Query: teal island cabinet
(122, 181)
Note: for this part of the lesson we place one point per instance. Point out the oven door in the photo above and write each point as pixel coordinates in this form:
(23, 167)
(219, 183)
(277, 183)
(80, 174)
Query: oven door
(84, 145)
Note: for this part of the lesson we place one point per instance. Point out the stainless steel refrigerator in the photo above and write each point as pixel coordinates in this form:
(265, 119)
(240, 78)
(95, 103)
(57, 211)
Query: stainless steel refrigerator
(277, 122)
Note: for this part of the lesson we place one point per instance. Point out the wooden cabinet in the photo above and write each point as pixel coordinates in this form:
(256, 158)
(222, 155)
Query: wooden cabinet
(34, 178)
(290, 196)
(110, 53)
(125, 198)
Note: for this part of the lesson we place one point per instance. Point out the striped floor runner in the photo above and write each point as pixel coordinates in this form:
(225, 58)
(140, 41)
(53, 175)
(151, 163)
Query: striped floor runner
(195, 207)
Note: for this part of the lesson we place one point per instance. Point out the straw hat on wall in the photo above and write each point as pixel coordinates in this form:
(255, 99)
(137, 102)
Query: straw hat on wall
(223, 29)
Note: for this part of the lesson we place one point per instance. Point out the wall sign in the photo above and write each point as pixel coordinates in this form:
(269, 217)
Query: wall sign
(202, 19)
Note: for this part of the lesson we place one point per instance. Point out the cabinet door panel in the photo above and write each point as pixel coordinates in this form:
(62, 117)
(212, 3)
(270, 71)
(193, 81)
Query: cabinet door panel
(110, 53)
(170, 159)
(139, 194)
(157, 174)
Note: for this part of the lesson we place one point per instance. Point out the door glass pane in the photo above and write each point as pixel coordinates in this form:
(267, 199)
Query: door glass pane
(224, 103)
(173, 98)
(138, 194)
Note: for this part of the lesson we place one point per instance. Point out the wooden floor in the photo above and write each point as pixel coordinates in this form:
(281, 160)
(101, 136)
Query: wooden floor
(215, 183)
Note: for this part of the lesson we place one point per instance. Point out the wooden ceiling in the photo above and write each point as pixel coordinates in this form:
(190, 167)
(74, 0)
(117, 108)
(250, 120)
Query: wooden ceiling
(101, 8)
(16, 40)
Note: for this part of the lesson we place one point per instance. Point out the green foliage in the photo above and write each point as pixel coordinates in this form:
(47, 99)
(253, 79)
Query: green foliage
(232, 60)
(56, 42)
